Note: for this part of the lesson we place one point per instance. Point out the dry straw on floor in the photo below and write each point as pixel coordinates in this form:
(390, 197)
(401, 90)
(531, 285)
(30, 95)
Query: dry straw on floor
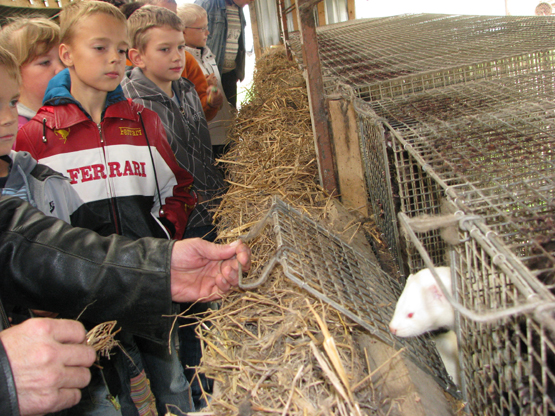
(277, 350)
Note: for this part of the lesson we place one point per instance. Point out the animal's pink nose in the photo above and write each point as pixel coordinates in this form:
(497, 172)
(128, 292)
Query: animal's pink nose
(393, 330)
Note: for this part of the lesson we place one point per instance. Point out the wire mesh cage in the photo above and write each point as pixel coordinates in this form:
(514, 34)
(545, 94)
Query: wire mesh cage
(383, 197)
(488, 146)
(463, 106)
(506, 327)
(324, 265)
(387, 57)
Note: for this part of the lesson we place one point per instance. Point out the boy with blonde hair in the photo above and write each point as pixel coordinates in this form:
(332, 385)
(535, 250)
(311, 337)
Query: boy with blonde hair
(115, 153)
(34, 43)
(158, 55)
(195, 32)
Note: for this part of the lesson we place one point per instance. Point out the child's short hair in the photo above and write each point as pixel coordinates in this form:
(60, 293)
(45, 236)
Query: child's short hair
(75, 12)
(129, 8)
(7, 60)
(29, 38)
(160, 2)
(189, 13)
(149, 17)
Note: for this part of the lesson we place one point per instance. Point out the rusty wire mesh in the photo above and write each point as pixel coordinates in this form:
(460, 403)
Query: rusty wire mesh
(391, 56)
(491, 144)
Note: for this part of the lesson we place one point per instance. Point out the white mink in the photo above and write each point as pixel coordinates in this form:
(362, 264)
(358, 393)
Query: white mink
(448, 349)
(421, 308)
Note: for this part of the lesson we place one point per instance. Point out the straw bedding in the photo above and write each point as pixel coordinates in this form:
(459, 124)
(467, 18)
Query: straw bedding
(276, 349)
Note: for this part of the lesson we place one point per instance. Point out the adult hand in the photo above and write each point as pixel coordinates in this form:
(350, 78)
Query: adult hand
(204, 270)
(49, 363)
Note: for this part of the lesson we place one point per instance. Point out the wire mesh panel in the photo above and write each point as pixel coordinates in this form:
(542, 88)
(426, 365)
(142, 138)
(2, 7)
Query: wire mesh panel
(490, 145)
(328, 268)
(509, 365)
(380, 188)
(398, 55)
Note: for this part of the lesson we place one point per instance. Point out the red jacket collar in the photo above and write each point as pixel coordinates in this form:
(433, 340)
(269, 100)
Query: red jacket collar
(70, 114)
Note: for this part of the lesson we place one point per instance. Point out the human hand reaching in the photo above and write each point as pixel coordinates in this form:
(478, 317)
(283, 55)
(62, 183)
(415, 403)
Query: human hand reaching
(204, 270)
(212, 80)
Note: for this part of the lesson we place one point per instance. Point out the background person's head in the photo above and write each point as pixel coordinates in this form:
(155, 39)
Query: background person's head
(34, 44)
(195, 22)
(167, 4)
(9, 94)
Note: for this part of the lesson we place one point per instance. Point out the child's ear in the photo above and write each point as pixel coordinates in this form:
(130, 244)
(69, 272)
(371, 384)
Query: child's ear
(65, 55)
(135, 57)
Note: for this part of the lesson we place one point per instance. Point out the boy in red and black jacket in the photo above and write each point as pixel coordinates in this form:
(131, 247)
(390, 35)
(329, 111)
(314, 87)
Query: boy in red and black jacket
(118, 159)
(114, 151)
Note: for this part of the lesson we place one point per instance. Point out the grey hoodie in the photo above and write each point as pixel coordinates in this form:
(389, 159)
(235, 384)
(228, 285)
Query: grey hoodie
(187, 133)
(46, 190)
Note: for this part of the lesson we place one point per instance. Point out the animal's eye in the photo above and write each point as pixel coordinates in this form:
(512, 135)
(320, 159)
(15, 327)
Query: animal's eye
(410, 315)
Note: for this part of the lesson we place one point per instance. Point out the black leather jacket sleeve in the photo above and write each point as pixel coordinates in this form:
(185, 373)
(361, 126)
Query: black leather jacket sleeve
(47, 264)
(9, 405)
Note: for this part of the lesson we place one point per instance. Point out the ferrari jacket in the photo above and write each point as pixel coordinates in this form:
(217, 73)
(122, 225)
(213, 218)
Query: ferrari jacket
(122, 168)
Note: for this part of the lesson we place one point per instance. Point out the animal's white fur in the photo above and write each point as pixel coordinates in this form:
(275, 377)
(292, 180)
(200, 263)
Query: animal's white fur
(422, 307)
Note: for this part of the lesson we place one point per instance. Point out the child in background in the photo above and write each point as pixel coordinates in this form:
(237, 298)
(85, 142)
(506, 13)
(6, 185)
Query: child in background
(118, 159)
(211, 100)
(195, 21)
(34, 43)
(158, 55)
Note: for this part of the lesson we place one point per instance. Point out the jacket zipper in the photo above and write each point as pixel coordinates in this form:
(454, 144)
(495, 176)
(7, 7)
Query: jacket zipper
(112, 196)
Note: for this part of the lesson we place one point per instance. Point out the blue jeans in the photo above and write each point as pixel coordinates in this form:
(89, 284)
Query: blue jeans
(128, 369)
(94, 400)
(167, 380)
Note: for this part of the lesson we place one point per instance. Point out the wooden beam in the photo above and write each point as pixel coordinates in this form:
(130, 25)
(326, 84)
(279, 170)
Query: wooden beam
(322, 14)
(347, 156)
(351, 11)
(254, 28)
(295, 16)
(284, 28)
(409, 390)
(317, 103)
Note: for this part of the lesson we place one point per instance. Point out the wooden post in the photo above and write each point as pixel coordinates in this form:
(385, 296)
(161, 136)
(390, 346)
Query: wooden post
(347, 155)
(317, 103)
(284, 29)
(351, 9)
(321, 14)
(295, 15)
(255, 35)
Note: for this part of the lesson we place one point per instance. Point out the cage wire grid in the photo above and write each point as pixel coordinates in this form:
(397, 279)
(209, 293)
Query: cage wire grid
(494, 158)
(509, 365)
(324, 265)
(378, 178)
(495, 155)
(490, 153)
(397, 55)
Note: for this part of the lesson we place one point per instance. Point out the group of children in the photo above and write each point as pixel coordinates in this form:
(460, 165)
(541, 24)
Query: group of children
(120, 149)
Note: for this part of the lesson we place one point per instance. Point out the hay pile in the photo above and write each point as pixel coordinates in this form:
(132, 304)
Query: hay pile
(277, 350)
